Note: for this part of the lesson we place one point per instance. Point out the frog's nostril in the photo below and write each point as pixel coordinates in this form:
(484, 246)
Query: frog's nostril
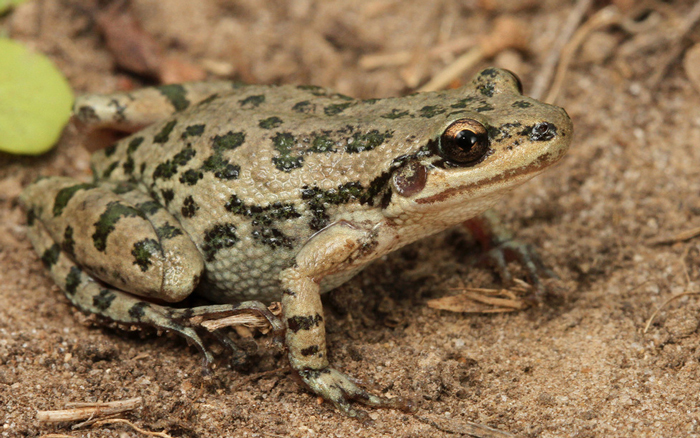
(543, 131)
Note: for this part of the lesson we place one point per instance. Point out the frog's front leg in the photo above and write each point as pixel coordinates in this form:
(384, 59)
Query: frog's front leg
(329, 252)
(500, 247)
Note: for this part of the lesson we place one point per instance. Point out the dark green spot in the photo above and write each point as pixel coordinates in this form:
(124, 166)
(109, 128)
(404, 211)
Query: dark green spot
(218, 237)
(110, 150)
(209, 99)
(309, 351)
(322, 143)
(270, 123)
(69, 241)
(252, 102)
(462, 103)
(366, 142)
(31, 217)
(521, 104)
(287, 163)
(313, 89)
(283, 142)
(143, 251)
(430, 111)
(168, 231)
(304, 107)
(168, 195)
(337, 108)
(137, 310)
(395, 114)
(297, 323)
(228, 142)
(191, 177)
(176, 95)
(487, 89)
(149, 207)
(189, 207)
(484, 108)
(134, 144)
(73, 280)
(105, 225)
(164, 133)
(167, 169)
(64, 195)
(128, 166)
(108, 171)
(273, 238)
(193, 131)
(103, 300)
(50, 256)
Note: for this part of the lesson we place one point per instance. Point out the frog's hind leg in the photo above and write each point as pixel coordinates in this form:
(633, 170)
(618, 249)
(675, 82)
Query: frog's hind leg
(134, 110)
(92, 296)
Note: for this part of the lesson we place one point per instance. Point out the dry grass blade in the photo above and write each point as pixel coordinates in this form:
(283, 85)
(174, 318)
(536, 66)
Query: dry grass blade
(478, 300)
(466, 428)
(666, 303)
(545, 75)
(604, 17)
(674, 51)
(507, 33)
(133, 426)
(85, 411)
(680, 237)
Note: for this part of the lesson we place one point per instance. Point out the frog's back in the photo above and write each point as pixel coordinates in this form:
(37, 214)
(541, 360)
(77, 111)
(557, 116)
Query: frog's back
(253, 174)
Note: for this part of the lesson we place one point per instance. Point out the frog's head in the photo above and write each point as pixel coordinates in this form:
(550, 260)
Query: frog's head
(494, 140)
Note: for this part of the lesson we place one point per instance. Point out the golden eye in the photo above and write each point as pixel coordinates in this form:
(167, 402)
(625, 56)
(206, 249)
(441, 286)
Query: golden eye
(464, 143)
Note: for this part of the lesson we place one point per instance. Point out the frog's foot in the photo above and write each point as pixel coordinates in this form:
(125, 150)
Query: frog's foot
(500, 248)
(340, 390)
(512, 250)
(217, 318)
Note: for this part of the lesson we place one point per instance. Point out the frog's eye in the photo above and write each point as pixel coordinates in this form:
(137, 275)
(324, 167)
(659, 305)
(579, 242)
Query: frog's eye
(464, 143)
(517, 80)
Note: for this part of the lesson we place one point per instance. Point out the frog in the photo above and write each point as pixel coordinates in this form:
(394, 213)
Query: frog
(249, 194)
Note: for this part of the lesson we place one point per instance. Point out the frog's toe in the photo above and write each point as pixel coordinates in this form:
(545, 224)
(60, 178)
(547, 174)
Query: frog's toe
(529, 259)
(340, 390)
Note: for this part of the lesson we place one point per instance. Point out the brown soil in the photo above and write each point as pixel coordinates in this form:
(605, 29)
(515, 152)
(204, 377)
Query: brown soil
(579, 365)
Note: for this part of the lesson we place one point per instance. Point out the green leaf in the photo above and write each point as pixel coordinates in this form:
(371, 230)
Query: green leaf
(7, 4)
(35, 100)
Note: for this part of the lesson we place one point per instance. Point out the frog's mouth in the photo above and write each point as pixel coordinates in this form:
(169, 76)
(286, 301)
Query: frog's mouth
(503, 180)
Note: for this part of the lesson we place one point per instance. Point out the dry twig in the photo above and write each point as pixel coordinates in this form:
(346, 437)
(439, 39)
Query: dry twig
(85, 411)
(507, 33)
(676, 48)
(544, 77)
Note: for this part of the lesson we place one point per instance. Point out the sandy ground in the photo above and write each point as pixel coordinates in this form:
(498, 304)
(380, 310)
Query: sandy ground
(580, 365)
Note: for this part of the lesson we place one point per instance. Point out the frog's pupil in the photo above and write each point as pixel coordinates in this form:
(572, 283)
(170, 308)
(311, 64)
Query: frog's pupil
(466, 140)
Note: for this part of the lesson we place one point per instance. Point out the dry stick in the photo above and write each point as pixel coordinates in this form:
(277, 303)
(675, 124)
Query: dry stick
(468, 428)
(85, 411)
(676, 47)
(507, 33)
(680, 237)
(135, 427)
(545, 75)
(675, 297)
(604, 17)
(665, 303)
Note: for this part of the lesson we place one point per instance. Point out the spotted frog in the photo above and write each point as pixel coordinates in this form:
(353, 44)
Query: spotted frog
(251, 194)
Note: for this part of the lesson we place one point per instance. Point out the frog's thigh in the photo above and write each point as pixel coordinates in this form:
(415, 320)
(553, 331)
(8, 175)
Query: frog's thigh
(134, 110)
(94, 297)
(127, 240)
